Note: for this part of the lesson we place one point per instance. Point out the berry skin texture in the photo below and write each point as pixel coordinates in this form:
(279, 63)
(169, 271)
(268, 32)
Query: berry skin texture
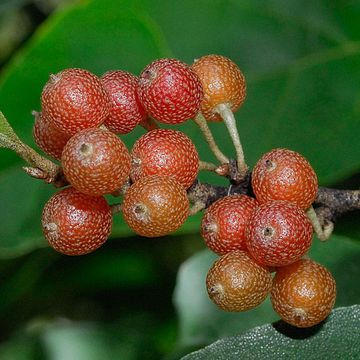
(74, 99)
(49, 138)
(165, 152)
(126, 110)
(223, 83)
(76, 224)
(236, 283)
(283, 174)
(155, 206)
(96, 162)
(224, 222)
(303, 293)
(170, 91)
(278, 233)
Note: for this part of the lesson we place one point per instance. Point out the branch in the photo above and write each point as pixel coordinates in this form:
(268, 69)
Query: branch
(329, 203)
(40, 167)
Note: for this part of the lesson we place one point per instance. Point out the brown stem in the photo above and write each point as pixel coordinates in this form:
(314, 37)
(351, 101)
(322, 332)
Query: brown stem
(149, 124)
(329, 204)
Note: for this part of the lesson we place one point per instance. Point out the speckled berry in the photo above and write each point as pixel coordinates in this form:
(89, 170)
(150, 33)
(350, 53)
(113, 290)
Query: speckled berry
(224, 222)
(74, 99)
(96, 162)
(155, 206)
(278, 233)
(76, 224)
(283, 174)
(165, 152)
(222, 82)
(303, 293)
(126, 110)
(170, 91)
(236, 283)
(49, 138)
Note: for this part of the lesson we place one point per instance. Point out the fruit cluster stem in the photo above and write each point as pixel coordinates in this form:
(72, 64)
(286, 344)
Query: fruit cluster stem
(203, 165)
(40, 167)
(229, 120)
(204, 127)
(327, 207)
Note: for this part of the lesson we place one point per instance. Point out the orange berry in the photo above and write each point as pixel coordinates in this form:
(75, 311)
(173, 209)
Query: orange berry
(283, 174)
(222, 82)
(75, 223)
(303, 293)
(236, 282)
(48, 137)
(96, 162)
(224, 222)
(165, 152)
(155, 206)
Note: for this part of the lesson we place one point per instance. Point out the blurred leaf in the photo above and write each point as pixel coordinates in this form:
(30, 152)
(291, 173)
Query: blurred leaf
(201, 322)
(61, 339)
(302, 63)
(95, 341)
(7, 5)
(19, 347)
(337, 338)
(22, 200)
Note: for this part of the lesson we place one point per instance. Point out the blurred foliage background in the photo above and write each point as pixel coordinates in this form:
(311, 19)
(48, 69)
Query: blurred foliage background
(128, 300)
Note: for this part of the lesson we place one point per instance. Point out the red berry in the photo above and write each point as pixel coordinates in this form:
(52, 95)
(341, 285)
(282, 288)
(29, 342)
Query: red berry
(236, 283)
(283, 174)
(278, 233)
(76, 224)
(303, 293)
(49, 138)
(155, 206)
(222, 82)
(126, 110)
(165, 152)
(224, 222)
(170, 91)
(96, 162)
(74, 99)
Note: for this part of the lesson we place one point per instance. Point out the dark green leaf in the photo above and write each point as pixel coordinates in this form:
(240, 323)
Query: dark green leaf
(201, 322)
(337, 338)
(302, 64)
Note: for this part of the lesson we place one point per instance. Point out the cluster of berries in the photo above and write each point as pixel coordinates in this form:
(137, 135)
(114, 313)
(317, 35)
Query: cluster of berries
(80, 119)
(78, 125)
(269, 233)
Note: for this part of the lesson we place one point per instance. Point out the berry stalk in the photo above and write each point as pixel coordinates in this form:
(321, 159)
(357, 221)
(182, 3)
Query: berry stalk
(229, 120)
(203, 165)
(202, 123)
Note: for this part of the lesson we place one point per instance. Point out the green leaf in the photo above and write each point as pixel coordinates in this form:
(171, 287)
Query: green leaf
(81, 340)
(337, 338)
(201, 322)
(302, 64)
